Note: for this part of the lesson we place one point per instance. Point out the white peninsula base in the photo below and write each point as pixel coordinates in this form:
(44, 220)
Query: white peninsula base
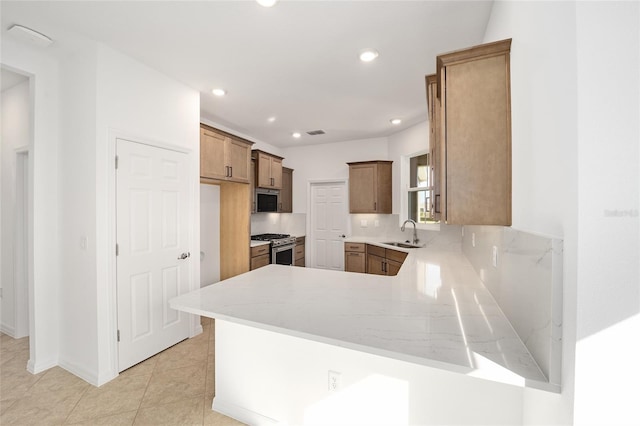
(269, 378)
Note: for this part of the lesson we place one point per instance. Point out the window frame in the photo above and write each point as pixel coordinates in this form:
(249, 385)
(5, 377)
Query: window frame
(405, 170)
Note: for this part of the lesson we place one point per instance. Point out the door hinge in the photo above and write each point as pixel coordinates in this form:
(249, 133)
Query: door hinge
(117, 250)
(116, 162)
(118, 335)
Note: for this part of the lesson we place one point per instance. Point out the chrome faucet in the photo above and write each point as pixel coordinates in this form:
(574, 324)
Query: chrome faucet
(415, 231)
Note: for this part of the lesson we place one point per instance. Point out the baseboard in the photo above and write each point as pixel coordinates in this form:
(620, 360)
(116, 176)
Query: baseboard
(81, 372)
(8, 330)
(34, 367)
(242, 414)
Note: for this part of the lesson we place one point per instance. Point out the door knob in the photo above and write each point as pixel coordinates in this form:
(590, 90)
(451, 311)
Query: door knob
(183, 256)
(342, 236)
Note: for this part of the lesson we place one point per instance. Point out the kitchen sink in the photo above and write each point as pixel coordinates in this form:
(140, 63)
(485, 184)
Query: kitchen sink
(402, 245)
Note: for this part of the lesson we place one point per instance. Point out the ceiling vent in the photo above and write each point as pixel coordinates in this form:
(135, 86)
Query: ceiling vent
(315, 132)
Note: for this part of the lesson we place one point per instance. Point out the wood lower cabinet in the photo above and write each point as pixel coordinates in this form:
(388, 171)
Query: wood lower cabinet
(299, 252)
(223, 156)
(370, 259)
(286, 193)
(355, 259)
(370, 187)
(473, 86)
(268, 170)
(260, 256)
(381, 261)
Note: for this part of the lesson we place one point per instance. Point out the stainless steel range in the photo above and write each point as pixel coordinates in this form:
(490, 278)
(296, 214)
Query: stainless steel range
(282, 247)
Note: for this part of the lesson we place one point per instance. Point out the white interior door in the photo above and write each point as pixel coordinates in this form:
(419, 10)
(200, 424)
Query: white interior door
(151, 195)
(329, 221)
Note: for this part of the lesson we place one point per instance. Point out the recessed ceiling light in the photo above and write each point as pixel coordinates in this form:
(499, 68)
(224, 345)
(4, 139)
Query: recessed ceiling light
(368, 55)
(219, 92)
(296, 135)
(395, 121)
(271, 119)
(266, 3)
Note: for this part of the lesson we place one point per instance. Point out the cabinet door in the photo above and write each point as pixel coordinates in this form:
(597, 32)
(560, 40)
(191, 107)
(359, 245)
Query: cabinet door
(477, 135)
(433, 104)
(239, 160)
(252, 186)
(276, 172)
(286, 195)
(362, 188)
(212, 155)
(355, 262)
(263, 166)
(392, 267)
(376, 265)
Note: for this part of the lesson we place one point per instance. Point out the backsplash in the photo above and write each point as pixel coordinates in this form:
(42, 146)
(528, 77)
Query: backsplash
(279, 223)
(448, 238)
(527, 285)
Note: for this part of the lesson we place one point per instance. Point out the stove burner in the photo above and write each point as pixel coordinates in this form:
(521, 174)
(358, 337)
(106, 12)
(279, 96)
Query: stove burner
(269, 237)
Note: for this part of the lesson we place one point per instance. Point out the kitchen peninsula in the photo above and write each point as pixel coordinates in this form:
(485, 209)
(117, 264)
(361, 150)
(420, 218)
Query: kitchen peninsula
(279, 330)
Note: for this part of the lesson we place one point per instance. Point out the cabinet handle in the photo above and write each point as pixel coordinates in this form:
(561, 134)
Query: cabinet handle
(382, 267)
(437, 203)
(230, 171)
(353, 254)
(375, 205)
(280, 206)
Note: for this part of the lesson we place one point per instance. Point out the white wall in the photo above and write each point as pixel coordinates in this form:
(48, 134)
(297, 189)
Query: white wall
(406, 143)
(107, 94)
(43, 186)
(15, 134)
(608, 300)
(77, 179)
(574, 73)
(328, 161)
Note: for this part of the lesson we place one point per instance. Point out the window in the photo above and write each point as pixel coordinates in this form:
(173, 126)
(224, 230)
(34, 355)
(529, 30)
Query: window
(420, 189)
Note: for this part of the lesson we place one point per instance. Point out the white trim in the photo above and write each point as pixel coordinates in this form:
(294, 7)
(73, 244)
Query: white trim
(36, 367)
(81, 372)
(242, 414)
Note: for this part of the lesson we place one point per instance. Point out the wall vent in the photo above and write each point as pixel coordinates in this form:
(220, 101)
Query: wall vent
(315, 132)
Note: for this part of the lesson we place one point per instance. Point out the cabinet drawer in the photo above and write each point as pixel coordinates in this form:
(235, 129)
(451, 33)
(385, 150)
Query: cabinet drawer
(375, 250)
(260, 250)
(299, 252)
(259, 261)
(398, 256)
(359, 247)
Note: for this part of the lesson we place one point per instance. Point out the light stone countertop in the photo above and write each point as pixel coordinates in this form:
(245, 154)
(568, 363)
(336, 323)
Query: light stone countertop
(259, 243)
(435, 312)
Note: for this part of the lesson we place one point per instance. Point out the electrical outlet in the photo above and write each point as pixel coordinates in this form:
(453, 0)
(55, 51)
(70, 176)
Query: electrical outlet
(335, 381)
(473, 239)
(494, 257)
(376, 223)
(363, 223)
(462, 230)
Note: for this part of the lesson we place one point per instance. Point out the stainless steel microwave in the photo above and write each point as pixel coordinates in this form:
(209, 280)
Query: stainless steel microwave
(267, 200)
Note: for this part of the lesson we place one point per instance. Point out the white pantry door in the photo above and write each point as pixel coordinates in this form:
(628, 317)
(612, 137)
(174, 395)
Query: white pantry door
(151, 202)
(329, 216)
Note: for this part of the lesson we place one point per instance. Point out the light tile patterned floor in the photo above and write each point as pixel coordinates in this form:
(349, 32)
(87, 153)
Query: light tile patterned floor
(174, 387)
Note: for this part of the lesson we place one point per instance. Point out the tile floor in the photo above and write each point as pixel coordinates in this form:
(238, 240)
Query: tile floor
(174, 387)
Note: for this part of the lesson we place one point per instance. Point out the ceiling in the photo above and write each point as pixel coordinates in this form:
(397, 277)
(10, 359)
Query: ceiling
(297, 61)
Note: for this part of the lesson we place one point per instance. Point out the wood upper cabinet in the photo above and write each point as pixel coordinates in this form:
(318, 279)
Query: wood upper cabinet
(355, 258)
(286, 193)
(370, 187)
(224, 157)
(433, 106)
(473, 86)
(268, 170)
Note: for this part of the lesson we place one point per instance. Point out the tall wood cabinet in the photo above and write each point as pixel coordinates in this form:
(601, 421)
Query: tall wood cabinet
(473, 87)
(223, 156)
(268, 170)
(370, 187)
